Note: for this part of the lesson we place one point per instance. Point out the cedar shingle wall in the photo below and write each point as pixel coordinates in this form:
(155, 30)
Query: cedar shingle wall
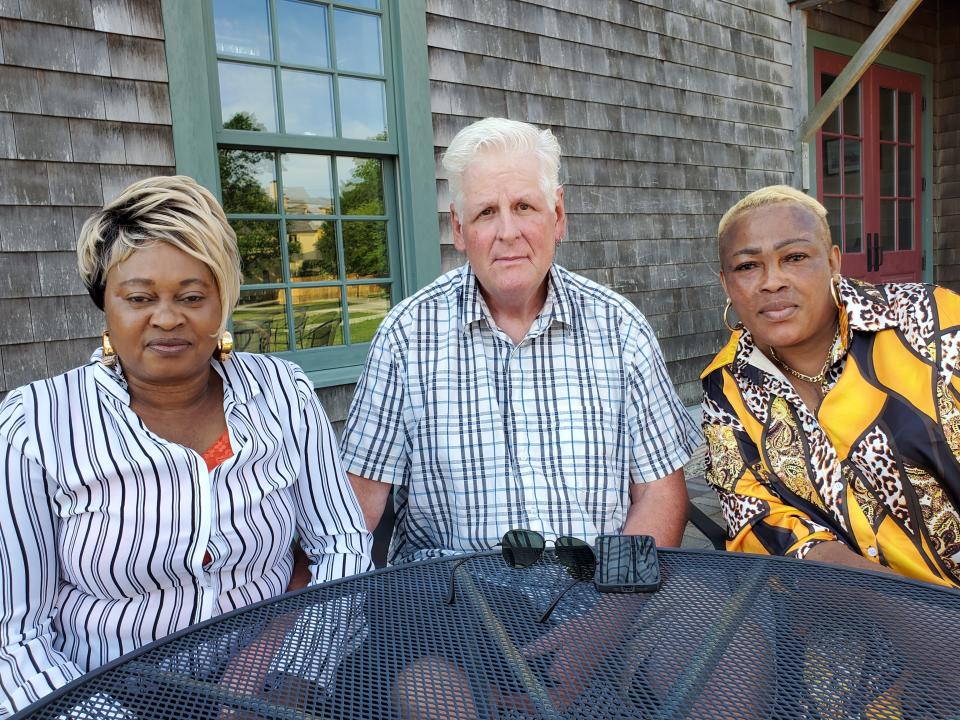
(667, 113)
(84, 111)
(946, 148)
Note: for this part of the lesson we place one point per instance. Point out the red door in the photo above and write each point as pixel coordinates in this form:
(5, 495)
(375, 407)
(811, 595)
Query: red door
(868, 174)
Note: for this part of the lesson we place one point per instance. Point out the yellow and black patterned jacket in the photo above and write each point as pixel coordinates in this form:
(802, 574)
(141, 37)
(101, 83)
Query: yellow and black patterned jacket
(877, 467)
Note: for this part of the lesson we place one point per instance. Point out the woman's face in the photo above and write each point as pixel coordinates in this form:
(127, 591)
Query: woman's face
(776, 266)
(162, 309)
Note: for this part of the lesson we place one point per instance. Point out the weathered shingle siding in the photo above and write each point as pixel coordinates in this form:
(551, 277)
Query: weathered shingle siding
(946, 150)
(667, 113)
(84, 110)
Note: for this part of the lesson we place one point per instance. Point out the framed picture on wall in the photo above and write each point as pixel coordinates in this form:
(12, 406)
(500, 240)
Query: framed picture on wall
(831, 152)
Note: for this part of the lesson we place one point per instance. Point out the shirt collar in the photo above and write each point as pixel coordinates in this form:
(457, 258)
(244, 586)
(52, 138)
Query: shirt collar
(863, 308)
(473, 307)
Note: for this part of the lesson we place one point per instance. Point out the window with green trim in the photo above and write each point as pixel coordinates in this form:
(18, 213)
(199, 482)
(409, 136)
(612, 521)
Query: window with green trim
(306, 169)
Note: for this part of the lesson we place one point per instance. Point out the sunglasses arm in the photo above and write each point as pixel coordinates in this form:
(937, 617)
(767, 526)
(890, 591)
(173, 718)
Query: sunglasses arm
(549, 610)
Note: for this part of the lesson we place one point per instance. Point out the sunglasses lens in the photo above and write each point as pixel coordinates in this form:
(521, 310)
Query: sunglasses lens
(522, 548)
(577, 556)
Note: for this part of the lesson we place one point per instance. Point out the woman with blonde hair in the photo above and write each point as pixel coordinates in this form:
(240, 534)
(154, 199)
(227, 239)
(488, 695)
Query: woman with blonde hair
(163, 482)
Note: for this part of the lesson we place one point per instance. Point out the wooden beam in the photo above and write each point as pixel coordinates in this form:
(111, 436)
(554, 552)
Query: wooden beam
(868, 52)
(799, 94)
(807, 4)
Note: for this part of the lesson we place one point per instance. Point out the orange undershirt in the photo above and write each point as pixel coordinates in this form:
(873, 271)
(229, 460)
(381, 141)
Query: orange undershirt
(214, 455)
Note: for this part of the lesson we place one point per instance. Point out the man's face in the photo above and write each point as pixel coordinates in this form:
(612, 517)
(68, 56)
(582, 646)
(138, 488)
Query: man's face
(508, 230)
(776, 266)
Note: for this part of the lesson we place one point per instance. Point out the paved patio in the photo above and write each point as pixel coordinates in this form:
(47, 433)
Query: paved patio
(703, 496)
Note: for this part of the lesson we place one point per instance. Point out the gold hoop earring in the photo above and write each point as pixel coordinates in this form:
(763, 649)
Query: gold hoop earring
(835, 290)
(108, 351)
(225, 346)
(726, 321)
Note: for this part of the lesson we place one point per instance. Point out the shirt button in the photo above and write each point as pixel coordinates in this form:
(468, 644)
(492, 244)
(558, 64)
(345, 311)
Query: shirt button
(872, 551)
(838, 486)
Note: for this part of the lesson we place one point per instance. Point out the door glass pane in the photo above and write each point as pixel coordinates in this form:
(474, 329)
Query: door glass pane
(365, 249)
(358, 42)
(247, 97)
(307, 184)
(851, 111)
(260, 321)
(832, 123)
(259, 245)
(307, 103)
(361, 186)
(905, 117)
(905, 226)
(834, 219)
(831, 165)
(367, 305)
(905, 171)
(302, 30)
(312, 247)
(886, 170)
(887, 98)
(317, 317)
(248, 180)
(851, 166)
(363, 109)
(242, 27)
(888, 228)
(853, 225)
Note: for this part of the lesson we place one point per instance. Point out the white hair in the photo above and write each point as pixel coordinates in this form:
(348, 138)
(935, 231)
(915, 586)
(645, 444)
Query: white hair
(496, 134)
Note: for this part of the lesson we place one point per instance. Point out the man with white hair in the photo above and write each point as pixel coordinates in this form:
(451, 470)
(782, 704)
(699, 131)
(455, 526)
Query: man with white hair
(510, 392)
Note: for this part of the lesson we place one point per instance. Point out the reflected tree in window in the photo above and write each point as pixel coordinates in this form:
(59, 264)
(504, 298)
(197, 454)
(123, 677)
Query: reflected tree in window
(365, 243)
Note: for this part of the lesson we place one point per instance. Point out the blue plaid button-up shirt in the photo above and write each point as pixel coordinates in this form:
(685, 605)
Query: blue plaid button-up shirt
(483, 435)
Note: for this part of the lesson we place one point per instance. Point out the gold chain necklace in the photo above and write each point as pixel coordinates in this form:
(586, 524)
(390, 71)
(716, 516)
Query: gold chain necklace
(820, 377)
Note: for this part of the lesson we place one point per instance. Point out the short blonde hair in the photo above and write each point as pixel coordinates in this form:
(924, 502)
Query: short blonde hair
(170, 209)
(773, 195)
(496, 134)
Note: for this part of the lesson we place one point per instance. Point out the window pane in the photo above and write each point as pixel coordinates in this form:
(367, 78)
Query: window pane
(361, 186)
(905, 226)
(831, 165)
(372, 4)
(853, 218)
(247, 97)
(886, 113)
(248, 180)
(312, 247)
(242, 27)
(834, 219)
(888, 230)
(832, 123)
(851, 111)
(307, 184)
(318, 317)
(307, 103)
(260, 321)
(365, 249)
(851, 166)
(259, 245)
(905, 171)
(302, 29)
(358, 42)
(905, 117)
(363, 109)
(886, 170)
(367, 305)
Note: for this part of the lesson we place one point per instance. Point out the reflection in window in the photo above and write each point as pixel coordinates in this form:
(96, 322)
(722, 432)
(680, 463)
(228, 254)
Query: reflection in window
(854, 225)
(247, 91)
(302, 29)
(307, 184)
(259, 245)
(834, 219)
(905, 225)
(363, 109)
(905, 117)
(247, 179)
(307, 103)
(242, 28)
(260, 321)
(318, 315)
(365, 249)
(367, 305)
(358, 42)
(361, 186)
(312, 246)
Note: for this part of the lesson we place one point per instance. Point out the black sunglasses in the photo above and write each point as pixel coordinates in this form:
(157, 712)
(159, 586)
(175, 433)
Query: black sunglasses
(522, 548)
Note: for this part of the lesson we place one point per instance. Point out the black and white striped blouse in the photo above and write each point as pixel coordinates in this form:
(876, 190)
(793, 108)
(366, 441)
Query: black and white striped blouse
(104, 525)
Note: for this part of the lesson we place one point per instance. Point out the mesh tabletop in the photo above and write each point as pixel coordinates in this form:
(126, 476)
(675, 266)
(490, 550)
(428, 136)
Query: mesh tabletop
(726, 636)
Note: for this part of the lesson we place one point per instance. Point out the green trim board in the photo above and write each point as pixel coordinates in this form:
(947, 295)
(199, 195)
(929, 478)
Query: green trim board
(414, 247)
(817, 40)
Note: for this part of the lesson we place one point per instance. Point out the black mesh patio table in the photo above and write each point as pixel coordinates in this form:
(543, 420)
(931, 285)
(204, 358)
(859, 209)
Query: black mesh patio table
(727, 636)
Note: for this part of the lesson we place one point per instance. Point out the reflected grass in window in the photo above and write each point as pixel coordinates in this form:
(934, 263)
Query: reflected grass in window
(367, 305)
(318, 317)
(260, 321)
